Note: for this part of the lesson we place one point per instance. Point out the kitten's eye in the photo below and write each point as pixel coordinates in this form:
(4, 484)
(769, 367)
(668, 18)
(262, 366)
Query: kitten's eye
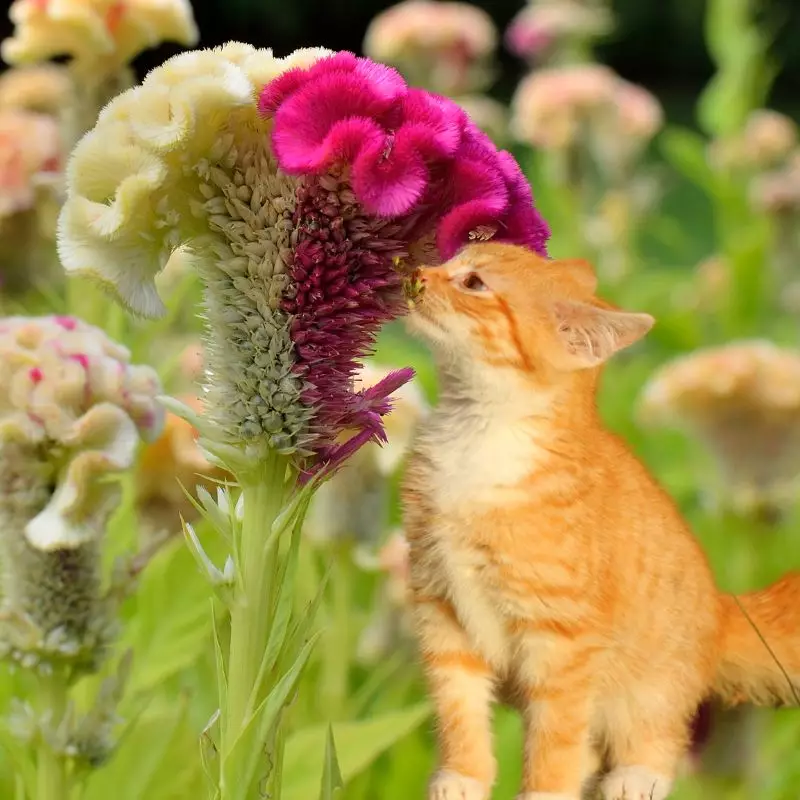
(472, 283)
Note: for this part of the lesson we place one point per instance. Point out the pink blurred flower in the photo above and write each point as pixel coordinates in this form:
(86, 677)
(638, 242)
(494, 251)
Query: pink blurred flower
(559, 107)
(30, 145)
(442, 46)
(541, 28)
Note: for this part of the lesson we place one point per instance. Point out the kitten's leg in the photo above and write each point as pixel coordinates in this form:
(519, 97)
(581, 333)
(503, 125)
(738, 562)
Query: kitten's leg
(645, 750)
(557, 712)
(461, 686)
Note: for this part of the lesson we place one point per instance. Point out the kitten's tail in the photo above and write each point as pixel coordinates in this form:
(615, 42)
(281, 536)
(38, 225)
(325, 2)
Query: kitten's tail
(760, 654)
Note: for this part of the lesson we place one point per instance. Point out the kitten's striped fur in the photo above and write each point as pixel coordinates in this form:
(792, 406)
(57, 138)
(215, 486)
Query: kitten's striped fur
(548, 569)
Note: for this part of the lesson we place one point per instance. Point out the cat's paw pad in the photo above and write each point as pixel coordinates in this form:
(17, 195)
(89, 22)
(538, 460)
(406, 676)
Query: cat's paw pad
(447, 785)
(635, 783)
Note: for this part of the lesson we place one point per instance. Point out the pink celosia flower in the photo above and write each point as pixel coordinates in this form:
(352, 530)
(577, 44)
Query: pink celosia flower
(394, 165)
(559, 107)
(442, 46)
(30, 144)
(541, 27)
(304, 221)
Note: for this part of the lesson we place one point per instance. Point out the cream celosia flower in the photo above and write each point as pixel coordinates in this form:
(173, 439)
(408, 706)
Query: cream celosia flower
(185, 157)
(95, 32)
(45, 88)
(30, 144)
(442, 46)
(743, 402)
(354, 503)
(72, 410)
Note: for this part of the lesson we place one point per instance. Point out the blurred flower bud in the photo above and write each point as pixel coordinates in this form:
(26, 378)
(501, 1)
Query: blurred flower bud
(354, 503)
(765, 142)
(445, 47)
(389, 624)
(543, 30)
(72, 411)
(742, 402)
(171, 464)
(95, 34)
(45, 89)
(778, 192)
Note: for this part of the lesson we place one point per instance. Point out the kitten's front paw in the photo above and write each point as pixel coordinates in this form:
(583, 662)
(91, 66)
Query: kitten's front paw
(635, 783)
(447, 785)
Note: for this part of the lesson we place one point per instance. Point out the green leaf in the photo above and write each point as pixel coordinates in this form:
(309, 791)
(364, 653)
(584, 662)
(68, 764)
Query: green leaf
(359, 744)
(157, 759)
(331, 774)
(243, 755)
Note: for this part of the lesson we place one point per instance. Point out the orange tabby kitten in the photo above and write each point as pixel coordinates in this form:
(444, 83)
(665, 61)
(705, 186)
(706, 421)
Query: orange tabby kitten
(548, 569)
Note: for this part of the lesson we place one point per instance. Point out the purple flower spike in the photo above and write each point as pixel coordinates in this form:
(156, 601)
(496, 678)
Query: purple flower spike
(384, 171)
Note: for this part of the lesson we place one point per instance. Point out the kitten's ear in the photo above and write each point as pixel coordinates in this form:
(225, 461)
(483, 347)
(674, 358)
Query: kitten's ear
(591, 335)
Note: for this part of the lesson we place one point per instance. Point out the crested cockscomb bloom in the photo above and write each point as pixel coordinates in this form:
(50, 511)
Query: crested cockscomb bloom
(303, 212)
(95, 32)
(445, 47)
(72, 411)
(543, 30)
(742, 402)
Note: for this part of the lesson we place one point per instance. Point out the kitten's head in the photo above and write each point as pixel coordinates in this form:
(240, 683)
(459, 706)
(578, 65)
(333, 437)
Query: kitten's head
(505, 306)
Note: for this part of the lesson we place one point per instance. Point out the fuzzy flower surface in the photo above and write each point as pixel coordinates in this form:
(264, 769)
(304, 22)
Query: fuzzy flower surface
(742, 401)
(72, 412)
(95, 31)
(442, 46)
(304, 190)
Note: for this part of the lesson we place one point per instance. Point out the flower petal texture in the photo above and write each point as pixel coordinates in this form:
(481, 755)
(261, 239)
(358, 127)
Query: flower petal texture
(71, 398)
(304, 191)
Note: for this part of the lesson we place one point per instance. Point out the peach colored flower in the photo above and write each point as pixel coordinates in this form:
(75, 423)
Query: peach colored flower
(443, 46)
(488, 114)
(171, 462)
(95, 31)
(30, 145)
(742, 401)
(767, 140)
(589, 104)
(778, 192)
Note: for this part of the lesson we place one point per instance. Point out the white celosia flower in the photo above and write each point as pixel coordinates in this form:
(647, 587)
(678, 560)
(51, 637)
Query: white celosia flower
(185, 157)
(95, 31)
(72, 411)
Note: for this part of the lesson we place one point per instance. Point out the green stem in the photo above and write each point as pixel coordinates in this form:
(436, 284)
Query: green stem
(52, 778)
(264, 497)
